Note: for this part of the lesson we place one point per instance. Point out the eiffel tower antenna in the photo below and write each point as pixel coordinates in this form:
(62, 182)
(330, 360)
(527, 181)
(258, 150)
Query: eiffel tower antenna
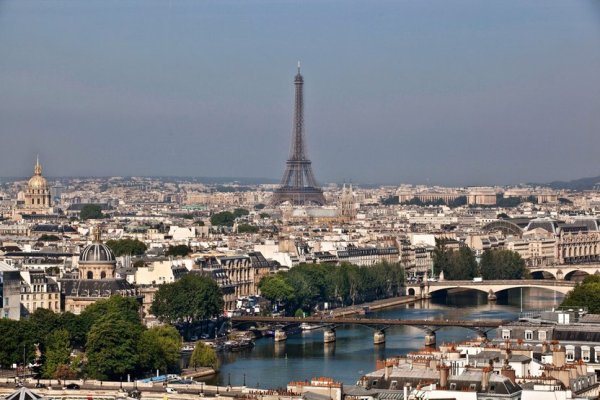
(298, 185)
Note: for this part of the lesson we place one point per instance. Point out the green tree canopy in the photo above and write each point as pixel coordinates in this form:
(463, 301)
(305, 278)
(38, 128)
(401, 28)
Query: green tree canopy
(240, 212)
(132, 247)
(224, 218)
(49, 238)
(181, 250)
(204, 356)
(91, 211)
(159, 349)
(585, 294)
(456, 264)
(126, 308)
(306, 286)
(191, 299)
(276, 289)
(247, 228)
(111, 348)
(58, 352)
(502, 264)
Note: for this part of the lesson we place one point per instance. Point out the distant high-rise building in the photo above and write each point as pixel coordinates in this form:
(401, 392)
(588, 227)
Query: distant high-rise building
(298, 185)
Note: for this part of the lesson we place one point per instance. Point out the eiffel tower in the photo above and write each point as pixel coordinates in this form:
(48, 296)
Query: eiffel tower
(298, 185)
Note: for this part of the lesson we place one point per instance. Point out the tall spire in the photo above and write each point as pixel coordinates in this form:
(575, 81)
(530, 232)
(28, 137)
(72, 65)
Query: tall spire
(298, 184)
(38, 167)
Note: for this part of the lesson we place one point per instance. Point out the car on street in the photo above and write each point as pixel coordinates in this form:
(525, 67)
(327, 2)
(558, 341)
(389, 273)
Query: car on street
(72, 386)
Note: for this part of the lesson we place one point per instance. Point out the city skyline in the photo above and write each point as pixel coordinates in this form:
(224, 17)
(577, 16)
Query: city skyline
(400, 92)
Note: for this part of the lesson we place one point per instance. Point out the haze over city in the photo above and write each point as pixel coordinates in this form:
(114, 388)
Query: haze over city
(437, 92)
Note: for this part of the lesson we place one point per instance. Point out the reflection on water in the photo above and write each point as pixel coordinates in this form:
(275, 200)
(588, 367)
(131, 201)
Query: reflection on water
(305, 356)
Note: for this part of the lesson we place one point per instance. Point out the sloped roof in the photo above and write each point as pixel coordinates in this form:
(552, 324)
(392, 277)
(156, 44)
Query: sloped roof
(23, 394)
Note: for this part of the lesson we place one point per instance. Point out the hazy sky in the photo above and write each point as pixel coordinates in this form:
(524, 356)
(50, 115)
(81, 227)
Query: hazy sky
(420, 91)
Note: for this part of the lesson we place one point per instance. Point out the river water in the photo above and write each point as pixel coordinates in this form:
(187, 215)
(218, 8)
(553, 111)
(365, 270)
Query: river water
(304, 356)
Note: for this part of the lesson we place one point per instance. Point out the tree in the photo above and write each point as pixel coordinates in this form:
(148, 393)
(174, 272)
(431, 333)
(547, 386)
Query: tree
(158, 349)
(91, 211)
(40, 324)
(224, 218)
(179, 250)
(240, 212)
(585, 294)
(463, 265)
(456, 264)
(64, 371)
(204, 356)
(48, 238)
(275, 289)
(11, 342)
(125, 308)
(502, 264)
(441, 259)
(191, 299)
(264, 215)
(111, 348)
(259, 206)
(58, 352)
(246, 228)
(132, 247)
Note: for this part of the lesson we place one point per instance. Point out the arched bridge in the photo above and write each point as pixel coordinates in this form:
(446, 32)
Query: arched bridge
(491, 288)
(429, 326)
(565, 271)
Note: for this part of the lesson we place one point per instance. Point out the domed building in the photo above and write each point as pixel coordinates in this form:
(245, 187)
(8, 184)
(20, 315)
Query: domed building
(96, 278)
(37, 196)
(36, 199)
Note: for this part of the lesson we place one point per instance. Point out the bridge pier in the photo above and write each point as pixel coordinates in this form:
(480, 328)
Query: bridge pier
(482, 337)
(430, 339)
(329, 336)
(280, 335)
(379, 337)
(492, 296)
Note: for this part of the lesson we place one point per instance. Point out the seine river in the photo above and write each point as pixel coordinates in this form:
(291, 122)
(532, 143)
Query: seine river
(304, 356)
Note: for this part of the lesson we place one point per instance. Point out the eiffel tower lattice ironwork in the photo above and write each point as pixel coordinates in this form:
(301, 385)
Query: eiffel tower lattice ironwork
(298, 185)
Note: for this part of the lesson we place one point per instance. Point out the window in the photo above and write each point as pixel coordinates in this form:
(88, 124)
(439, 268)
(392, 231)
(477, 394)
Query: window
(585, 353)
(453, 386)
(597, 353)
(541, 335)
(528, 335)
(505, 333)
(570, 351)
(90, 275)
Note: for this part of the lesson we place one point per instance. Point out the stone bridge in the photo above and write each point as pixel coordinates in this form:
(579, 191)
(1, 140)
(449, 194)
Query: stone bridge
(424, 290)
(565, 271)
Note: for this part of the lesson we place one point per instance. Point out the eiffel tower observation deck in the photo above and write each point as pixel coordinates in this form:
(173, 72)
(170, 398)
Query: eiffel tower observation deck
(298, 185)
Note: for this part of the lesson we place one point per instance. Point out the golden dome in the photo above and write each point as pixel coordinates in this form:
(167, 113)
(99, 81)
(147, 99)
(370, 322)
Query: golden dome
(37, 181)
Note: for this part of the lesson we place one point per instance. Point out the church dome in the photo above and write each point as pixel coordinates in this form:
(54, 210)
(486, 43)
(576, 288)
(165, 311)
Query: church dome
(37, 181)
(97, 252)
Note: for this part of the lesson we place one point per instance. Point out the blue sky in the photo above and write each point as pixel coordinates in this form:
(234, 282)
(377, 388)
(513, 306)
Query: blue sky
(424, 91)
